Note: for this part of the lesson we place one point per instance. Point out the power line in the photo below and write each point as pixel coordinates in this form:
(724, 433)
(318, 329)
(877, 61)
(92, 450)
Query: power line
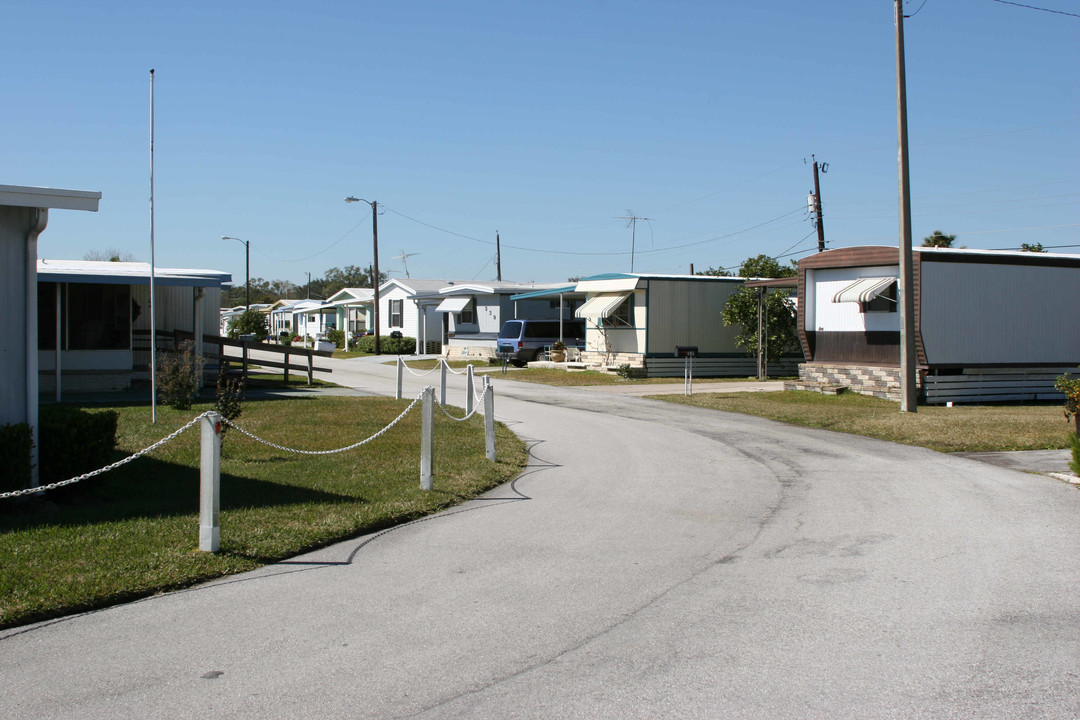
(1032, 7)
(326, 249)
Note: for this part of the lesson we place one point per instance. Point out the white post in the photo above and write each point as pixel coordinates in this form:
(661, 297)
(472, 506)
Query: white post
(489, 418)
(210, 484)
(427, 437)
(400, 372)
(469, 389)
(442, 391)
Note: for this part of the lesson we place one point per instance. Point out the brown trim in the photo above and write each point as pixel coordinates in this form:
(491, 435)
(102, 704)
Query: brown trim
(784, 282)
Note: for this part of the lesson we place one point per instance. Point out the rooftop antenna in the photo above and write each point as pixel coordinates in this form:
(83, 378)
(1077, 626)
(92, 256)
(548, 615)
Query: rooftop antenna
(631, 222)
(404, 258)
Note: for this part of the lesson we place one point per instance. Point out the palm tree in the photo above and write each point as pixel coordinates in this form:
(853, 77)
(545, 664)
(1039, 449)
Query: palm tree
(938, 239)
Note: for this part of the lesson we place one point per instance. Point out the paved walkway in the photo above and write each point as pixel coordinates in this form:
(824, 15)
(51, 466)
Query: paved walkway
(654, 560)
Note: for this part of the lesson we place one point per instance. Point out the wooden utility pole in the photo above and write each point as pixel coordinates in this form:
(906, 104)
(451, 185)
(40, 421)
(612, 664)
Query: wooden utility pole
(817, 205)
(498, 258)
(908, 389)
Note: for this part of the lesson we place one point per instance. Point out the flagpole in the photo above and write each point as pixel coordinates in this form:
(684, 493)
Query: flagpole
(153, 323)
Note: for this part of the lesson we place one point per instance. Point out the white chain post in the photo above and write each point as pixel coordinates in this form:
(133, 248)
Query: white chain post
(442, 392)
(400, 372)
(210, 484)
(489, 418)
(469, 384)
(427, 437)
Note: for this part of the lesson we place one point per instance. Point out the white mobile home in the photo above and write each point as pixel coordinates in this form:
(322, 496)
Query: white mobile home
(475, 312)
(640, 319)
(988, 324)
(94, 319)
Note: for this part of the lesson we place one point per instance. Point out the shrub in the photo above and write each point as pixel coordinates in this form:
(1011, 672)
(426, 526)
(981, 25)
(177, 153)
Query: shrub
(1071, 387)
(625, 371)
(1074, 443)
(229, 398)
(388, 345)
(74, 441)
(285, 337)
(16, 442)
(249, 321)
(337, 337)
(179, 375)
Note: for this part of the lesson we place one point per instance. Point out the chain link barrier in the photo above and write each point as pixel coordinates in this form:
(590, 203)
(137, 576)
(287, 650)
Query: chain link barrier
(107, 468)
(420, 374)
(324, 452)
(476, 408)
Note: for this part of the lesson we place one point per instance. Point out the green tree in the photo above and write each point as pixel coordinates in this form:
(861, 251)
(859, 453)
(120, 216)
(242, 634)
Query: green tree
(716, 272)
(249, 321)
(741, 310)
(938, 239)
(1032, 247)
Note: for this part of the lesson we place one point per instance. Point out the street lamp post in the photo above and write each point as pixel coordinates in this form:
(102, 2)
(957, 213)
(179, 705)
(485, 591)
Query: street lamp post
(247, 266)
(375, 259)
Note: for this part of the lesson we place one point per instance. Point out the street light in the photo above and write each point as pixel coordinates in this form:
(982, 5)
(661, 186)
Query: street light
(247, 265)
(375, 259)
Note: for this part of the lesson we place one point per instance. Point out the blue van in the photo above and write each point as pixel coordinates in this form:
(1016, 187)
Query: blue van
(521, 341)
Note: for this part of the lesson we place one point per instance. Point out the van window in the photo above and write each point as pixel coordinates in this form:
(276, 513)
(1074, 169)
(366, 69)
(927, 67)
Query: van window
(542, 329)
(510, 329)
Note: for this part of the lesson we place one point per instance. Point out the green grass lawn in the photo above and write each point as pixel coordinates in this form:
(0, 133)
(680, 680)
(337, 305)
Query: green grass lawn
(963, 428)
(552, 376)
(134, 531)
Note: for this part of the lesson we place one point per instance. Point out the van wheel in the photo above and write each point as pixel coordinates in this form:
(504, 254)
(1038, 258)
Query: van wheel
(517, 363)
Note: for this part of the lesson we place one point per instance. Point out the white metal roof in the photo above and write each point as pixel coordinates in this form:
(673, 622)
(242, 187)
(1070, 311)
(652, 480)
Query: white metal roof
(126, 273)
(42, 197)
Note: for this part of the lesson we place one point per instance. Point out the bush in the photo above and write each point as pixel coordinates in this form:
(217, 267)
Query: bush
(388, 345)
(74, 441)
(179, 375)
(249, 321)
(1071, 387)
(1074, 444)
(16, 442)
(285, 337)
(229, 399)
(337, 337)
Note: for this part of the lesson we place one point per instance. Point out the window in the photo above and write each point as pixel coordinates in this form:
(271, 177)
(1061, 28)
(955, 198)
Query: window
(396, 310)
(622, 316)
(93, 317)
(468, 313)
(884, 302)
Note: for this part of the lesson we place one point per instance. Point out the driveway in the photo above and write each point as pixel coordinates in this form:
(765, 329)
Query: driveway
(654, 560)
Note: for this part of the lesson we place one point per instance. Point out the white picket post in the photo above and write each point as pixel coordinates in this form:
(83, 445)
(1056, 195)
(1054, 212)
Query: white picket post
(210, 484)
(400, 372)
(427, 437)
(442, 392)
(489, 418)
(469, 402)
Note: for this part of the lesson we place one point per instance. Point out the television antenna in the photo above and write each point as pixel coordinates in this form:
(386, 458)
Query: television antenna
(404, 258)
(631, 222)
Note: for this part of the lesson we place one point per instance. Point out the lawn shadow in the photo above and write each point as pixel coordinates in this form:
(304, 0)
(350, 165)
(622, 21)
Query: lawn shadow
(148, 488)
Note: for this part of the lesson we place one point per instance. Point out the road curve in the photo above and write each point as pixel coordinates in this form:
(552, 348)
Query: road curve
(654, 560)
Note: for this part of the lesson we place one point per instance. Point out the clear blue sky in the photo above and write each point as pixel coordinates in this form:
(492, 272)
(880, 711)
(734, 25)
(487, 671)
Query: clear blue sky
(543, 121)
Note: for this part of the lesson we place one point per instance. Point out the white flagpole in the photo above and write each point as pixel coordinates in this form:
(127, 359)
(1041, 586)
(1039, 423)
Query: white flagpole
(153, 323)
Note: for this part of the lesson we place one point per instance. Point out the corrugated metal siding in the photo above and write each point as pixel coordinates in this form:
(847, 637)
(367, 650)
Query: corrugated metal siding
(683, 312)
(822, 285)
(975, 313)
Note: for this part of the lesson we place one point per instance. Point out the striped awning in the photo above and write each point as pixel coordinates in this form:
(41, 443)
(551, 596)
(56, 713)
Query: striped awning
(864, 290)
(600, 306)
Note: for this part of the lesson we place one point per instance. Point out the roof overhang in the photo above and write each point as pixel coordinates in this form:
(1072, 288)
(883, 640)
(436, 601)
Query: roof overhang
(864, 289)
(601, 306)
(609, 285)
(126, 273)
(42, 197)
(549, 293)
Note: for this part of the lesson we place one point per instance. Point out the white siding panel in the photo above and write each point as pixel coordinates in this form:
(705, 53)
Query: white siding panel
(984, 313)
(845, 317)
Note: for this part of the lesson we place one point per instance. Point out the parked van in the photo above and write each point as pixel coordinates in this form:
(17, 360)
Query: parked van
(521, 341)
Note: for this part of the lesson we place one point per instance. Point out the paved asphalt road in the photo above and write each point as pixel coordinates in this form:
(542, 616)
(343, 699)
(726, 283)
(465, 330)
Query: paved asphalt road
(654, 561)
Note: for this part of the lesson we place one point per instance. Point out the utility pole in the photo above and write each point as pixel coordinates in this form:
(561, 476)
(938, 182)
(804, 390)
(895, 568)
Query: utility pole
(375, 262)
(498, 258)
(817, 204)
(908, 391)
(309, 286)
